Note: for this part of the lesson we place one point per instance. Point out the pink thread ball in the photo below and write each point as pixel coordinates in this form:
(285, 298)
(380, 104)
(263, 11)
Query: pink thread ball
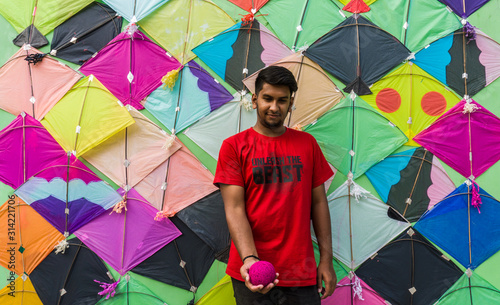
(262, 273)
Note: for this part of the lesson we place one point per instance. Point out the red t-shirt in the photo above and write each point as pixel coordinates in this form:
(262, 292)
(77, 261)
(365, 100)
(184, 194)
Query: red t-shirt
(278, 174)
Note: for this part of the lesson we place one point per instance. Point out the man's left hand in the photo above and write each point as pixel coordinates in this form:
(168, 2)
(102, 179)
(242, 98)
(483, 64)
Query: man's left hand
(326, 275)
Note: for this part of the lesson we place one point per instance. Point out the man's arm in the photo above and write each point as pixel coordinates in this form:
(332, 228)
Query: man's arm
(241, 232)
(322, 228)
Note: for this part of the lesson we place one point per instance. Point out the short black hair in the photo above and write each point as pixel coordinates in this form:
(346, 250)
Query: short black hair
(276, 76)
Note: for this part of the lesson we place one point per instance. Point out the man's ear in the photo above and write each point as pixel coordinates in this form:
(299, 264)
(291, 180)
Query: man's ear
(291, 104)
(254, 101)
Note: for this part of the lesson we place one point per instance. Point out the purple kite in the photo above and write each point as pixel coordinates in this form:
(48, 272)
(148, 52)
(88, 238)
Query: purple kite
(131, 236)
(131, 66)
(465, 138)
(464, 8)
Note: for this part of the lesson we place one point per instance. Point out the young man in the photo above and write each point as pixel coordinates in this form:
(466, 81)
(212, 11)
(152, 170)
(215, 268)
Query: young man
(271, 180)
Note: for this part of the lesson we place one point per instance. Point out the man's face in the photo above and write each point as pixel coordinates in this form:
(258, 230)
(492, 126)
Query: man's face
(273, 104)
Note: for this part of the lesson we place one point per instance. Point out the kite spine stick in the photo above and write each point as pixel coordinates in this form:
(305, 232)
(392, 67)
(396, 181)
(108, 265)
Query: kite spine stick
(294, 46)
(178, 103)
(69, 270)
(187, 32)
(464, 54)
(81, 114)
(407, 18)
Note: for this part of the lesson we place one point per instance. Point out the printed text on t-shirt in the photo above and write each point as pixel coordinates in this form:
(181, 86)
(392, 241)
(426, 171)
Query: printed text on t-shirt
(276, 169)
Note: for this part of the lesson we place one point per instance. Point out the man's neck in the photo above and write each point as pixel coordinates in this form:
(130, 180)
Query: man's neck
(270, 132)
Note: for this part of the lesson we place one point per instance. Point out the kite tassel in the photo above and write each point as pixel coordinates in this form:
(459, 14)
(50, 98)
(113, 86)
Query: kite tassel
(476, 198)
(357, 192)
(34, 58)
(168, 143)
(248, 18)
(357, 289)
(470, 32)
(62, 246)
(131, 28)
(469, 107)
(303, 48)
(108, 289)
(170, 78)
(118, 208)
(246, 102)
(163, 214)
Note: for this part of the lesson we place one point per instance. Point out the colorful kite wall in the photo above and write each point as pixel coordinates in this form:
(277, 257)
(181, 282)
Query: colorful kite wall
(112, 114)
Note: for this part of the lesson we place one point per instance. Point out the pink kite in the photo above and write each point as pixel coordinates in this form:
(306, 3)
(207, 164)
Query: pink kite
(131, 66)
(26, 148)
(465, 138)
(177, 183)
(132, 153)
(33, 83)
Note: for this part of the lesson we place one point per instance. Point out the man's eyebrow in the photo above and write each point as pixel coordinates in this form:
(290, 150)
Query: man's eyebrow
(280, 98)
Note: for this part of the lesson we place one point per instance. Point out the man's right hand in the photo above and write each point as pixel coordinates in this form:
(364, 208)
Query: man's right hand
(259, 288)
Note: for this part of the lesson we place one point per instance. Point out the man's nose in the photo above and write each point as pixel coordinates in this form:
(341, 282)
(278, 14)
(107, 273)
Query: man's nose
(274, 106)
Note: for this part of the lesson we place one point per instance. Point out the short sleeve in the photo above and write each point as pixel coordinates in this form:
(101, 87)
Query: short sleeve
(229, 169)
(322, 171)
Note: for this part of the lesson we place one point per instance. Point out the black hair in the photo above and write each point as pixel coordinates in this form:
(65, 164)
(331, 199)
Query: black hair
(276, 76)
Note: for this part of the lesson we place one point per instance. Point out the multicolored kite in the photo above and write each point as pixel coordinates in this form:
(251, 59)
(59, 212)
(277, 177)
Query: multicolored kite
(241, 50)
(195, 94)
(466, 60)
(411, 99)
(411, 181)
(68, 194)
